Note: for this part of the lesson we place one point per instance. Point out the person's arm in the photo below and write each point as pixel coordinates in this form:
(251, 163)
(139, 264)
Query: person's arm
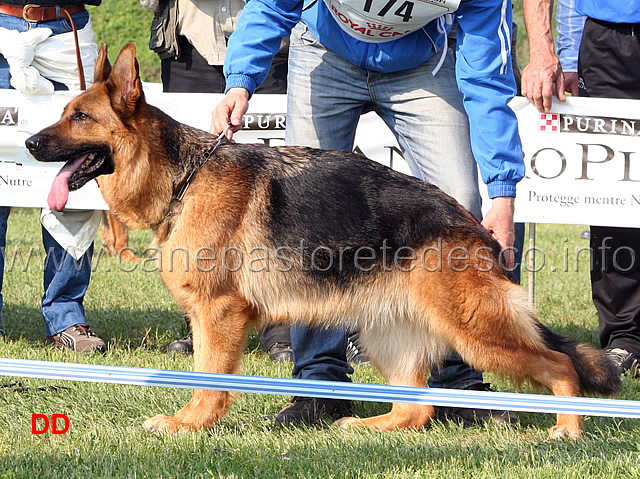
(485, 77)
(570, 26)
(250, 51)
(542, 78)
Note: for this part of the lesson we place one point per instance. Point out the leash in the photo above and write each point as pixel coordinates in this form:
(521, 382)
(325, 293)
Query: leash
(207, 155)
(185, 186)
(83, 85)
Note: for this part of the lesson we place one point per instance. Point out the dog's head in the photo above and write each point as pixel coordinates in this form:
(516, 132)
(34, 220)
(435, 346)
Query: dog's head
(93, 126)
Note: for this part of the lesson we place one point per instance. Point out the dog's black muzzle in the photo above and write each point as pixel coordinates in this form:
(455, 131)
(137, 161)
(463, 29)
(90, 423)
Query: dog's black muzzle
(34, 143)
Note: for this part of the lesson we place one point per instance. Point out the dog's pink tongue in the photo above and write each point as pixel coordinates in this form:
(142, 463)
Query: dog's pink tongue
(59, 193)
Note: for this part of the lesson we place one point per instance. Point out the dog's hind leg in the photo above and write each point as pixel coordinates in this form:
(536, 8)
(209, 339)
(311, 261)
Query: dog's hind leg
(543, 366)
(555, 371)
(494, 329)
(219, 334)
(402, 361)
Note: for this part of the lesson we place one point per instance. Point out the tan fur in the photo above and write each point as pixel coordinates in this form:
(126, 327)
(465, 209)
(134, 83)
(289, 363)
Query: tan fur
(115, 237)
(407, 319)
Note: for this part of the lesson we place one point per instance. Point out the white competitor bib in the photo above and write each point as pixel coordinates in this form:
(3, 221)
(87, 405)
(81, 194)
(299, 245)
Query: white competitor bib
(377, 21)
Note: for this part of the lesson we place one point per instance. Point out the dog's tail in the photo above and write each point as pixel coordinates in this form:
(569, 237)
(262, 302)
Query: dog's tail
(596, 372)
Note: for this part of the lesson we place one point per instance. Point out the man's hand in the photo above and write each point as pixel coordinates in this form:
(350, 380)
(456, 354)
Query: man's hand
(229, 112)
(542, 78)
(499, 222)
(571, 83)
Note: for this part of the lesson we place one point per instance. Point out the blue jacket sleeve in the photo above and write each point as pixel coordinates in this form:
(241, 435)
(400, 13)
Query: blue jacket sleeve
(570, 26)
(256, 39)
(485, 78)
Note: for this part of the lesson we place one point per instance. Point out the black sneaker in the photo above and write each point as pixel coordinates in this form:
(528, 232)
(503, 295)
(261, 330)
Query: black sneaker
(280, 352)
(303, 410)
(79, 338)
(627, 363)
(354, 354)
(182, 346)
(470, 417)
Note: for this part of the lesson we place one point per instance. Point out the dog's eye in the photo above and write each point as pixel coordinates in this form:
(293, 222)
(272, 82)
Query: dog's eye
(80, 116)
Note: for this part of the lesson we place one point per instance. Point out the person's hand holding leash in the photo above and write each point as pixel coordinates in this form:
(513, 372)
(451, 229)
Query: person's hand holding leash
(229, 112)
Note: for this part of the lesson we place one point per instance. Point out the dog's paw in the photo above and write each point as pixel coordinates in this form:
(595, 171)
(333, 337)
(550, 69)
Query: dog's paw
(349, 423)
(168, 424)
(561, 431)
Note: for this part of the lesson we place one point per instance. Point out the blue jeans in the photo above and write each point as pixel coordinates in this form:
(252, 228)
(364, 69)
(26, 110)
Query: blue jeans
(65, 279)
(326, 97)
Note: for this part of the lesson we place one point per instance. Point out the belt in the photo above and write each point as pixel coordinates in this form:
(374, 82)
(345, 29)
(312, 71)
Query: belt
(36, 13)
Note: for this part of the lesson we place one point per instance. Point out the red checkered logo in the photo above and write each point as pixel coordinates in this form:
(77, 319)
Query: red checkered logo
(549, 122)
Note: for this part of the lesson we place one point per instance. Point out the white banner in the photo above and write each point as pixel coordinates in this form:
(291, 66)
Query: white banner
(582, 159)
(26, 182)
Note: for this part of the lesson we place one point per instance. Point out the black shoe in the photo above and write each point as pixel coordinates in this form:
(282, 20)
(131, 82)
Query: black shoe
(470, 417)
(303, 410)
(280, 352)
(354, 352)
(182, 346)
(627, 363)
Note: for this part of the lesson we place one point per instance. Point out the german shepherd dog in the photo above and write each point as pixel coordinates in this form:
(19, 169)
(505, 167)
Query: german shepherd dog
(323, 238)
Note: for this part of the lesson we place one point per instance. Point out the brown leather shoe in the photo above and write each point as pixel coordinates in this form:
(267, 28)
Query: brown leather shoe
(79, 338)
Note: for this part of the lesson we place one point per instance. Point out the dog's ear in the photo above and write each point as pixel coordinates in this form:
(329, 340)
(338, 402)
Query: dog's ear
(125, 86)
(103, 67)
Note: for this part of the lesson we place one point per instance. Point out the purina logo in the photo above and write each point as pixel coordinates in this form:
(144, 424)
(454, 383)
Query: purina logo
(549, 122)
(595, 125)
(8, 116)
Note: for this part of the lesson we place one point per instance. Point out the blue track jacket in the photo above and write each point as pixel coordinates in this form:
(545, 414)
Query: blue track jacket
(627, 11)
(483, 68)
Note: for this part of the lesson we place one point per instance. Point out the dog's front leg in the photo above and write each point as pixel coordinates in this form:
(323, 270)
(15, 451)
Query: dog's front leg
(219, 334)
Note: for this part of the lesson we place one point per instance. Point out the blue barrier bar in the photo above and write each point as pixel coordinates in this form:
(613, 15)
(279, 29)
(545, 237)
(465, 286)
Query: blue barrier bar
(326, 389)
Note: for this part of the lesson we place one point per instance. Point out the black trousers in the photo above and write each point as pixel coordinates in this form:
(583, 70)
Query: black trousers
(190, 73)
(609, 67)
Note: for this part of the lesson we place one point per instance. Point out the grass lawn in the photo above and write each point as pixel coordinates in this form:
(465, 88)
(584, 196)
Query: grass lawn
(130, 308)
(134, 312)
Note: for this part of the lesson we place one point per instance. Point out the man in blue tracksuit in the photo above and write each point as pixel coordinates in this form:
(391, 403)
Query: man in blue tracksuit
(607, 68)
(348, 57)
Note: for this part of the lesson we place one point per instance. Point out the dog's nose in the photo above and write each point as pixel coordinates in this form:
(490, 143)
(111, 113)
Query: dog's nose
(33, 143)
